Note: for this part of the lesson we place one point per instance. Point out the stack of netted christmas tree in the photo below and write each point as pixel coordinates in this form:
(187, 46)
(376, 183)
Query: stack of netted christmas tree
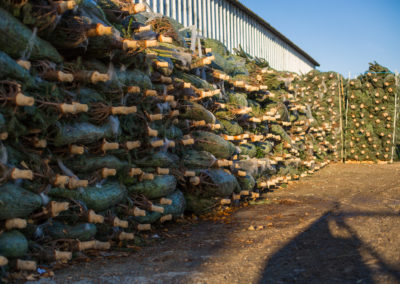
(321, 93)
(370, 115)
(115, 120)
(88, 129)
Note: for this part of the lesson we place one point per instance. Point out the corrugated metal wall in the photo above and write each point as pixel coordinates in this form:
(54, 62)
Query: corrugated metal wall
(221, 20)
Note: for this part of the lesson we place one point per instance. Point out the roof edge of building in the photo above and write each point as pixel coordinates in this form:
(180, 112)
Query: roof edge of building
(274, 31)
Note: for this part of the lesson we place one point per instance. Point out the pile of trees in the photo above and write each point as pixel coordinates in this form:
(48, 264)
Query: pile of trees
(357, 115)
(322, 94)
(115, 120)
(371, 115)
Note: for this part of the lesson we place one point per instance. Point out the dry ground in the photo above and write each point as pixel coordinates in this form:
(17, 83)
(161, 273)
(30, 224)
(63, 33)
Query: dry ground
(342, 225)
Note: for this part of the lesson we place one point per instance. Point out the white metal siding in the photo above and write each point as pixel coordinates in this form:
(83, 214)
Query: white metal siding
(223, 21)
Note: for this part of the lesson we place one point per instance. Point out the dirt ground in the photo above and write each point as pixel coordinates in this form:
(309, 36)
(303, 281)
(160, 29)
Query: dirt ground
(342, 225)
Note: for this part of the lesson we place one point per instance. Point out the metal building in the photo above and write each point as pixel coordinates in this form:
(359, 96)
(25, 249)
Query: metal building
(234, 24)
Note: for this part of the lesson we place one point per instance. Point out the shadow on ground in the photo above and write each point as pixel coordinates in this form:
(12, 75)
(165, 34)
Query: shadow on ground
(330, 251)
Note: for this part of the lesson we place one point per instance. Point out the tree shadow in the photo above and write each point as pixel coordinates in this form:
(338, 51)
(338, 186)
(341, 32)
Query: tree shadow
(318, 256)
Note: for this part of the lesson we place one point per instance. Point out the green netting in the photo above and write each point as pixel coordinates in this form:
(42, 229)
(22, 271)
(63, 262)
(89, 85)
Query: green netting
(16, 202)
(176, 209)
(214, 144)
(247, 182)
(159, 187)
(85, 133)
(82, 232)
(231, 127)
(159, 159)
(193, 159)
(98, 197)
(219, 183)
(87, 164)
(248, 150)
(13, 244)
(195, 111)
(11, 70)
(199, 205)
(18, 41)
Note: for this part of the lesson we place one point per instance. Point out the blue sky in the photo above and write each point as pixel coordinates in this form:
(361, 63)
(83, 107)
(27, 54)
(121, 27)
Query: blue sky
(342, 35)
